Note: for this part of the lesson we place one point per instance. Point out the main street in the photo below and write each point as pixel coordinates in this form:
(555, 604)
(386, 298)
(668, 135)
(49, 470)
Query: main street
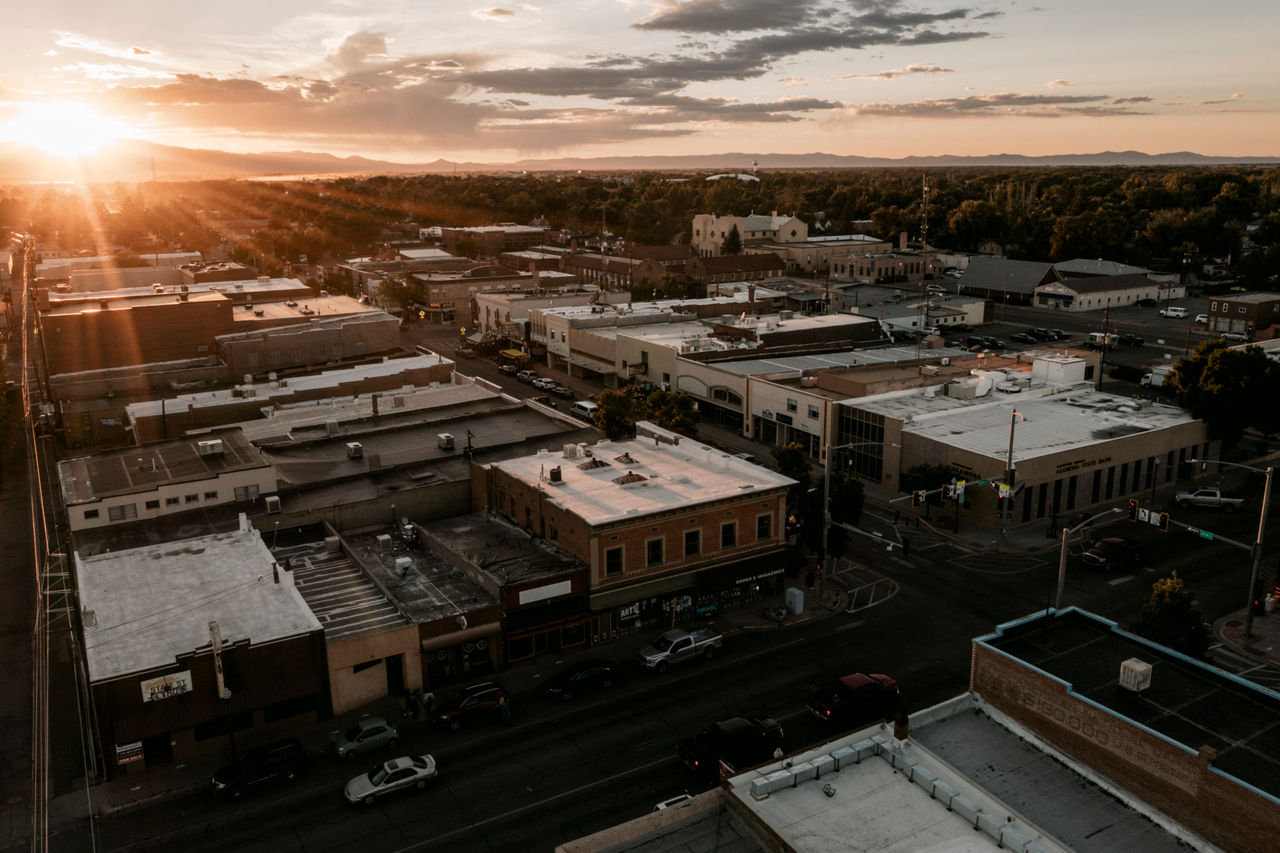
(562, 770)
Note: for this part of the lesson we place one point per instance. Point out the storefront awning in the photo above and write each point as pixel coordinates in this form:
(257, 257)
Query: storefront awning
(453, 638)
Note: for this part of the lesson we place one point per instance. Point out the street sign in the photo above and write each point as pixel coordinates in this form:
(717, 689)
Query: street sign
(1206, 534)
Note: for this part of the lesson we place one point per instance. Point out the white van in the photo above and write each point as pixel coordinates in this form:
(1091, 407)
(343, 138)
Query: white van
(584, 409)
(1173, 311)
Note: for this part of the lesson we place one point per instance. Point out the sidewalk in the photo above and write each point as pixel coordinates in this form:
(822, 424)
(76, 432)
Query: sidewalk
(1263, 645)
(161, 783)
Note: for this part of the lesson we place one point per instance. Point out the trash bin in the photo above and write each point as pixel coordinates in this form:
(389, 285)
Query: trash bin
(1269, 604)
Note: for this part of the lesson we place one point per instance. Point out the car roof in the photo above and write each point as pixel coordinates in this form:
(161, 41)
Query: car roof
(371, 722)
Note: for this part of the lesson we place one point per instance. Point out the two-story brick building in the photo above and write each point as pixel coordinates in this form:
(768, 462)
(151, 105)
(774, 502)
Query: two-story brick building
(661, 521)
(1244, 312)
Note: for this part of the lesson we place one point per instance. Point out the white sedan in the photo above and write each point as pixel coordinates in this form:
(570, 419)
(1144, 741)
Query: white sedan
(397, 774)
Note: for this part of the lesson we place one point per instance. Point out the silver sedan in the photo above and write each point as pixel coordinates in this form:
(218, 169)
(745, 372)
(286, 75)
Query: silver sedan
(408, 771)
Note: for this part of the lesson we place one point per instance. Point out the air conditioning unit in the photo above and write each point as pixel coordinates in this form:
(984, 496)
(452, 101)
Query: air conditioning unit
(444, 441)
(212, 447)
(945, 361)
(554, 474)
(273, 504)
(1135, 675)
(571, 451)
(355, 450)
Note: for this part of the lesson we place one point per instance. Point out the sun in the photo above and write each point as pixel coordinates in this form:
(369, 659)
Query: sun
(65, 129)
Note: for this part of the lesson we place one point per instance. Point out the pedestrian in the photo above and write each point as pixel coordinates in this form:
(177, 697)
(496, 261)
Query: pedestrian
(408, 701)
(428, 704)
(504, 708)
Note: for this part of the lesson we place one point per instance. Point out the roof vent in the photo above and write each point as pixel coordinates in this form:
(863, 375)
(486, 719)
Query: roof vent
(212, 447)
(1135, 675)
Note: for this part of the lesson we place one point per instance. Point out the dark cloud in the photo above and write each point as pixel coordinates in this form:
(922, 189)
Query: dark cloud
(1002, 104)
(1136, 99)
(918, 68)
(495, 13)
(726, 16)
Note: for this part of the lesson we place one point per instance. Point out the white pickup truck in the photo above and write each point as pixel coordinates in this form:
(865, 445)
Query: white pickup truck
(675, 646)
(1207, 497)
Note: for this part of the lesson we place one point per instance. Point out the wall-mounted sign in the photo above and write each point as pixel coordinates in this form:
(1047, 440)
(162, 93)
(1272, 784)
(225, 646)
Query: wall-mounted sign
(173, 684)
(128, 752)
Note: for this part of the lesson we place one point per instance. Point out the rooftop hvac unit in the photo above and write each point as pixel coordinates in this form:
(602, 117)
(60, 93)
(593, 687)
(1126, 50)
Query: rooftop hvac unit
(1135, 675)
(445, 441)
(945, 361)
(554, 474)
(355, 450)
(403, 564)
(571, 451)
(331, 428)
(273, 504)
(212, 447)
(808, 381)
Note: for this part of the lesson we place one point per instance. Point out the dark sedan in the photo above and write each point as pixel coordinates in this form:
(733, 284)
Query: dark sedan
(1113, 553)
(583, 677)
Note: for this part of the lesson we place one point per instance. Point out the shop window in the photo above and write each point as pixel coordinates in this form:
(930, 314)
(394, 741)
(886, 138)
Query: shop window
(653, 552)
(729, 534)
(692, 542)
(764, 527)
(613, 561)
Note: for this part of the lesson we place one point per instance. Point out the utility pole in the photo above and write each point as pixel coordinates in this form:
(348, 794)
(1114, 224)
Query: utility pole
(1006, 502)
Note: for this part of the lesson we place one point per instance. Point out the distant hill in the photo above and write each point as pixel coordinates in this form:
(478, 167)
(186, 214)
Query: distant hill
(131, 161)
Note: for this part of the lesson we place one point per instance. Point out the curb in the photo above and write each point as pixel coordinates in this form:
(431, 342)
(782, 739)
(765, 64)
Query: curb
(1225, 630)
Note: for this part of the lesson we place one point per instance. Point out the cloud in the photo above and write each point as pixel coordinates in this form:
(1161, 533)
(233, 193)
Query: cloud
(493, 14)
(1235, 96)
(1134, 99)
(114, 71)
(89, 44)
(918, 68)
(1054, 84)
(1001, 104)
(358, 49)
(718, 16)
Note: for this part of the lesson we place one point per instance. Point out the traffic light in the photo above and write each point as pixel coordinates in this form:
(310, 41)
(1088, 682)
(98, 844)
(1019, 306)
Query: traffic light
(949, 492)
(1164, 522)
(1133, 509)
(917, 497)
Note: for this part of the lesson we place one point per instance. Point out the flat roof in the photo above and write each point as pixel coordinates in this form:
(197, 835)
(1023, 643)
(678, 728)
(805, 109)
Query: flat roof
(131, 469)
(432, 588)
(267, 289)
(499, 549)
(798, 364)
(145, 606)
(657, 471)
(1188, 702)
(1055, 421)
(317, 308)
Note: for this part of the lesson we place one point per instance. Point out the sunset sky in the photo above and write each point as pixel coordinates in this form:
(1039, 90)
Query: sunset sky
(413, 80)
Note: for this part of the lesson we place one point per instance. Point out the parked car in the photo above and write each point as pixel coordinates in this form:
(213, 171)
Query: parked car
(408, 771)
(272, 762)
(509, 369)
(1113, 553)
(1202, 319)
(1022, 338)
(676, 645)
(855, 700)
(959, 327)
(582, 677)
(996, 343)
(563, 391)
(977, 341)
(365, 736)
(1210, 497)
(1060, 335)
(479, 701)
(1238, 337)
(1130, 340)
(673, 801)
(1146, 303)
(1040, 334)
(584, 409)
(544, 383)
(527, 375)
(1174, 311)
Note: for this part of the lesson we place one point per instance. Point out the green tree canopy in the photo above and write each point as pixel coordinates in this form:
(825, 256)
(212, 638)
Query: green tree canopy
(615, 417)
(791, 460)
(1230, 389)
(732, 244)
(674, 411)
(1171, 618)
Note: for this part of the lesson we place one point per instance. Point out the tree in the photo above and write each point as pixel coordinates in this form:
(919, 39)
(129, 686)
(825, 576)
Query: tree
(791, 460)
(674, 411)
(1226, 388)
(926, 478)
(1170, 618)
(469, 247)
(615, 417)
(732, 244)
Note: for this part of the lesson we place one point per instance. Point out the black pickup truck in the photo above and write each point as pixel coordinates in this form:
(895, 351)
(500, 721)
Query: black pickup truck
(738, 742)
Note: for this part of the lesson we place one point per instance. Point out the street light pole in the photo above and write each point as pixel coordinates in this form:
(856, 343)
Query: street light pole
(1256, 564)
(1008, 476)
(1062, 555)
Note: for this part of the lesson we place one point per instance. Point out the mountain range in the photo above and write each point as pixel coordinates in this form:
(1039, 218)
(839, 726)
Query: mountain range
(131, 161)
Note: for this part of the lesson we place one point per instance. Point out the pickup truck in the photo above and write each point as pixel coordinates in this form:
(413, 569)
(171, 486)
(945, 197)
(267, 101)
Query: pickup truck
(1208, 497)
(739, 743)
(675, 646)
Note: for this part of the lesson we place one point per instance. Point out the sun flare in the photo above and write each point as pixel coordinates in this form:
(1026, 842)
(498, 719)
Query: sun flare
(61, 128)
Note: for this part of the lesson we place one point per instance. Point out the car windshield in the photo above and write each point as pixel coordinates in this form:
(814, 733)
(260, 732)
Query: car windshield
(662, 643)
(378, 775)
(352, 733)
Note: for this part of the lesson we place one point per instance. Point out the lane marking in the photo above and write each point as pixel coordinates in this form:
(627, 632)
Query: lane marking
(857, 623)
(1120, 580)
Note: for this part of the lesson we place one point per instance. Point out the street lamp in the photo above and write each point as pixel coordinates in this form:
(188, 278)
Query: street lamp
(1257, 542)
(1062, 556)
(1006, 501)
(826, 482)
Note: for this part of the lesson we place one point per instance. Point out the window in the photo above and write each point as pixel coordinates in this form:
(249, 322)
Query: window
(764, 527)
(791, 405)
(211, 496)
(90, 514)
(247, 493)
(1213, 306)
(692, 542)
(192, 499)
(729, 534)
(122, 513)
(813, 411)
(653, 552)
(613, 561)
(153, 504)
(1240, 310)
(170, 501)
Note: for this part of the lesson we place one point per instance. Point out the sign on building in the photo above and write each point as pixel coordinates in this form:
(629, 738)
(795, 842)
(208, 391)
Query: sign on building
(166, 686)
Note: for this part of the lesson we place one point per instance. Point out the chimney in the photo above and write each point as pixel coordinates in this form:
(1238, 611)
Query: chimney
(902, 241)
